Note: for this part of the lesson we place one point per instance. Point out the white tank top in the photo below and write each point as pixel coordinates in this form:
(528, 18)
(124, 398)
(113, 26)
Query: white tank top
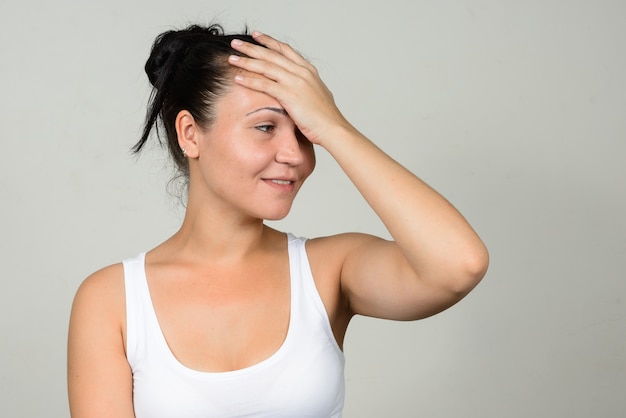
(304, 378)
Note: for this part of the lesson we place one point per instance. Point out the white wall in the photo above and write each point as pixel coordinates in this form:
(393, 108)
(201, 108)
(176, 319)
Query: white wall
(514, 110)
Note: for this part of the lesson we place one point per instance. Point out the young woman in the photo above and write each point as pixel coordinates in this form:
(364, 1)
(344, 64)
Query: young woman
(228, 317)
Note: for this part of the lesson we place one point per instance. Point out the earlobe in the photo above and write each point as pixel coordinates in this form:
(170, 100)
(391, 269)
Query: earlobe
(187, 132)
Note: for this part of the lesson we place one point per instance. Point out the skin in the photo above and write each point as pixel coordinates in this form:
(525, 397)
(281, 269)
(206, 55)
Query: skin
(247, 167)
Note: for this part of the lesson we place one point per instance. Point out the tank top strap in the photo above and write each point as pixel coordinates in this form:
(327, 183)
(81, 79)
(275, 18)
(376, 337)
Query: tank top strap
(305, 290)
(138, 306)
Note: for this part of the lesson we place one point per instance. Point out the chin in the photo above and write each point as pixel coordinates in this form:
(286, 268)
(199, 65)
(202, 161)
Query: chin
(277, 214)
(276, 217)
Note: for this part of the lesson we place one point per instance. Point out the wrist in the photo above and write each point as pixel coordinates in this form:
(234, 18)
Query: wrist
(339, 135)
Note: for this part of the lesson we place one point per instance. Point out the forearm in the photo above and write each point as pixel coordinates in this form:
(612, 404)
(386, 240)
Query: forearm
(433, 236)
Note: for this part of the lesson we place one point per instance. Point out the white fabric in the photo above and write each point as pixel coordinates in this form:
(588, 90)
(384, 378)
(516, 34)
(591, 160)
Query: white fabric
(304, 378)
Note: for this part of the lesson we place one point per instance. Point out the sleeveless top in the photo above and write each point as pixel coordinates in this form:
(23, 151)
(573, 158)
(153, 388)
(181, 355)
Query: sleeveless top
(303, 378)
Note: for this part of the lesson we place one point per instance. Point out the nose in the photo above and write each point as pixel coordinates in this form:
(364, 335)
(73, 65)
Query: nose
(289, 149)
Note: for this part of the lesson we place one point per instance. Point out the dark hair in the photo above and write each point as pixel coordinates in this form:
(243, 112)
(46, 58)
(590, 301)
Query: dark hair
(188, 70)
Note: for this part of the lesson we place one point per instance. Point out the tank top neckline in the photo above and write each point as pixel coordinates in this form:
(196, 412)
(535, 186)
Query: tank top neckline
(174, 362)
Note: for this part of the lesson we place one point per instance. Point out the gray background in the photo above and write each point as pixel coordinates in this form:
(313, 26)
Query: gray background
(514, 110)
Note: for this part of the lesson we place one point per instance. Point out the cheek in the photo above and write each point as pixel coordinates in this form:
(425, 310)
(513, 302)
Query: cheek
(240, 156)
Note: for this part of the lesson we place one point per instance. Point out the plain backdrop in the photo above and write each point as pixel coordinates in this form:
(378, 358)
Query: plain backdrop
(513, 110)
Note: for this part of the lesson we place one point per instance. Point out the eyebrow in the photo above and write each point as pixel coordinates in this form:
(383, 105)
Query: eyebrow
(273, 109)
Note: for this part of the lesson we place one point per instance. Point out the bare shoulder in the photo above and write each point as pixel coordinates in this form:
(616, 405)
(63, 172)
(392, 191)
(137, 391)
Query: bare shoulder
(99, 376)
(340, 244)
(106, 283)
(334, 250)
(101, 296)
(329, 257)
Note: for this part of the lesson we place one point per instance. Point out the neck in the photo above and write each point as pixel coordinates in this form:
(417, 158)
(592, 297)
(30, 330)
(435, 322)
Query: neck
(221, 234)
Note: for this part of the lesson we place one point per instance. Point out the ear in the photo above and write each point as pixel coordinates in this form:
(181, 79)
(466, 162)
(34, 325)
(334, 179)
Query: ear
(188, 133)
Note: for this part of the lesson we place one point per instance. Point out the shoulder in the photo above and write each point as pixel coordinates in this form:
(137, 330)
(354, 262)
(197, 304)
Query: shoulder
(101, 296)
(103, 283)
(327, 258)
(331, 256)
(338, 247)
(99, 376)
(343, 240)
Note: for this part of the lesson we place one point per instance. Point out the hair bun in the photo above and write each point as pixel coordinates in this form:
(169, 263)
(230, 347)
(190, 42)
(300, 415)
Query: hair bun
(170, 48)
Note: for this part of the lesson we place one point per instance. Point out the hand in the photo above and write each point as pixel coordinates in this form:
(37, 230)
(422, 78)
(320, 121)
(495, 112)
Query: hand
(279, 71)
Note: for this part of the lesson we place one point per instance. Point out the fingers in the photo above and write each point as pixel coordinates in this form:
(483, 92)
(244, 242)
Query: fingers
(261, 84)
(272, 51)
(280, 47)
(268, 77)
(257, 66)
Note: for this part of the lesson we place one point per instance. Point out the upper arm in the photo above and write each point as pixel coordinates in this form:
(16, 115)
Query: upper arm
(377, 280)
(99, 376)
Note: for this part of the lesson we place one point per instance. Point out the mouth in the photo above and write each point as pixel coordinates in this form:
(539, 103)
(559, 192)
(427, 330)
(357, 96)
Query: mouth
(282, 185)
(282, 182)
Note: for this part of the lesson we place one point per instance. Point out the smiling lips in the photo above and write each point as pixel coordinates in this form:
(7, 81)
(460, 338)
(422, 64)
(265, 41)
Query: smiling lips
(281, 184)
(277, 181)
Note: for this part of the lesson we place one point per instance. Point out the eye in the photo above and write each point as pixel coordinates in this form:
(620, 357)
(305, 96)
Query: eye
(265, 128)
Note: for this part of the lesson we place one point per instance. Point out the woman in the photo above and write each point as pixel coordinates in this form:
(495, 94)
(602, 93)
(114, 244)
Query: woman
(229, 317)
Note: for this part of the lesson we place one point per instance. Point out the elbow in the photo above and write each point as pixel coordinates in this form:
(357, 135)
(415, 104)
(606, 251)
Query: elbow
(472, 267)
(478, 264)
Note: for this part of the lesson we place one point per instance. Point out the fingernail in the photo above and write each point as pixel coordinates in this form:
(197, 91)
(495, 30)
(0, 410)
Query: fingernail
(234, 58)
(256, 34)
(237, 42)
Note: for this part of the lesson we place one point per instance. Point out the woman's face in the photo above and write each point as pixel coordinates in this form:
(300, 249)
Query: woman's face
(253, 159)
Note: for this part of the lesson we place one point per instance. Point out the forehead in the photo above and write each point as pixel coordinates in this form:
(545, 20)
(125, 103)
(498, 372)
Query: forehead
(239, 101)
